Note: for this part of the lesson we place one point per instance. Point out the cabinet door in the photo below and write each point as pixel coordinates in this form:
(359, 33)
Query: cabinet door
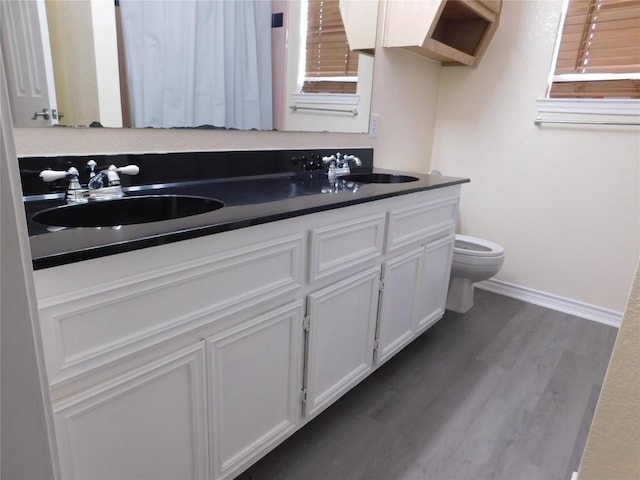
(397, 320)
(342, 321)
(255, 372)
(147, 424)
(435, 281)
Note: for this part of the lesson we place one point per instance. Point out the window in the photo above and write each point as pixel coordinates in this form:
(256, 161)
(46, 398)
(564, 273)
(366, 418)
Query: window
(334, 93)
(599, 51)
(330, 67)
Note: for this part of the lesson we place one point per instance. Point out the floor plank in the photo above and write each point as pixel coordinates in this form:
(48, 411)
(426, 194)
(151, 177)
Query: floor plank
(506, 391)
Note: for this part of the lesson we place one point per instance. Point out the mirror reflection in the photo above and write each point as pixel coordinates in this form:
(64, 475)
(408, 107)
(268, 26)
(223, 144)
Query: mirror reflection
(250, 65)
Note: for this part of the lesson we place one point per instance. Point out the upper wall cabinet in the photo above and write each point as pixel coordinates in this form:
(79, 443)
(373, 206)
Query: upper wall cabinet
(454, 32)
(360, 21)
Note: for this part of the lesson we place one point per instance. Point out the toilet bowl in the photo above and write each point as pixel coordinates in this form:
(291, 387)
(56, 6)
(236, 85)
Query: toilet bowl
(474, 260)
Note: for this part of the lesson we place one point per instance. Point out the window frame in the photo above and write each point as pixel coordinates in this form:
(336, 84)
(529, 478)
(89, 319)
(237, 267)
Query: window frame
(335, 112)
(586, 106)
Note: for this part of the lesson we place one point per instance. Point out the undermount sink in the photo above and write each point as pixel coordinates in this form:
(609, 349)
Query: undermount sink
(126, 211)
(378, 178)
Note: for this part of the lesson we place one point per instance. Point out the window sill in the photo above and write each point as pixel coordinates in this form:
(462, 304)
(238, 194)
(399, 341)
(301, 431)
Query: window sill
(589, 106)
(326, 98)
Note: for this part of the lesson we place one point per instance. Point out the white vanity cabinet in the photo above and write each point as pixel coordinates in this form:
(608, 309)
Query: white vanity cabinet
(175, 362)
(415, 276)
(255, 384)
(341, 317)
(398, 304)
(147, 423)
(341, 331)
(434, 281)
(193, 359)
(413, 295)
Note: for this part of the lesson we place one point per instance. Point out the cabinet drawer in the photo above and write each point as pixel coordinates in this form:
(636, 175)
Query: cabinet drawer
(92, 327)
(346, 246)
(421, 222)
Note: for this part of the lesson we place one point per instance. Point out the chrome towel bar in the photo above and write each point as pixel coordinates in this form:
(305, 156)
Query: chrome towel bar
(353, 111)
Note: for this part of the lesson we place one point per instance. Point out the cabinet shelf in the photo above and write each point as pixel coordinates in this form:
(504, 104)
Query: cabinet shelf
(453, 32)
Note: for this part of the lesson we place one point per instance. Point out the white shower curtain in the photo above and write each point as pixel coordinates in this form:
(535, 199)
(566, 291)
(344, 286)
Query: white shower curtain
(198, 62)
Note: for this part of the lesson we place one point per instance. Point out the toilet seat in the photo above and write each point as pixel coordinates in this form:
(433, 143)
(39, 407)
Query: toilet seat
(476, 247)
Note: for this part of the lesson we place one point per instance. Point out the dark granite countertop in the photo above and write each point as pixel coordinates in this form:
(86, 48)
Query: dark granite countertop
(248, 200)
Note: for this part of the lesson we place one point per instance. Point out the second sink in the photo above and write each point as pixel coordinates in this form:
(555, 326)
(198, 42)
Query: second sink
(378, 178)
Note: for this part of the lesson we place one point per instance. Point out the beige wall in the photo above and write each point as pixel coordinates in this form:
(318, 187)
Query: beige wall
(60, 141)
(75, 75)
(612, 451)
(87, 87)
(563, 201)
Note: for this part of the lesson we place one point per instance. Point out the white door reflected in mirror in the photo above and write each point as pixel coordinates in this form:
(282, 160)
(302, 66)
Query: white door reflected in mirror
(25, 44)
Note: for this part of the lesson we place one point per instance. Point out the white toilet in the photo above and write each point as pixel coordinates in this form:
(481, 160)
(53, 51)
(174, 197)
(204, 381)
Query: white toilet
(474, 260)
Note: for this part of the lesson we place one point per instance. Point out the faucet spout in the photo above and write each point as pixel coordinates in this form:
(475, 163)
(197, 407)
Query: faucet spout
(106, 183)
(341, 163)
(354, 159)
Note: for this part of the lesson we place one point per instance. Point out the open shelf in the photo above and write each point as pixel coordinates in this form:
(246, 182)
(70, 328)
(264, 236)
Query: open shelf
(454, 32)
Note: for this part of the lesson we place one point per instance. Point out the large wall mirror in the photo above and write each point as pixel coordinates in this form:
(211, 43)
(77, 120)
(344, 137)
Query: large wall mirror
(188, 63)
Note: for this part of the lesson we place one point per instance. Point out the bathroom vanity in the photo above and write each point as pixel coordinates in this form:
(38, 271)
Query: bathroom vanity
(190, 348)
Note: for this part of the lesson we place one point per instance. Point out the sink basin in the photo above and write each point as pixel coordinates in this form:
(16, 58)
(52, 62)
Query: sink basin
(378, 178)
(126, 211)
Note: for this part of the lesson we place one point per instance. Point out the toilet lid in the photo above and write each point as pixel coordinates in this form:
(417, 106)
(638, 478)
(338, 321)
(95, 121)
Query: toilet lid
(467, 245)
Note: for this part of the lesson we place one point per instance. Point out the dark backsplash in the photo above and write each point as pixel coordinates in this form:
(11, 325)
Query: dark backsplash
(178, 167)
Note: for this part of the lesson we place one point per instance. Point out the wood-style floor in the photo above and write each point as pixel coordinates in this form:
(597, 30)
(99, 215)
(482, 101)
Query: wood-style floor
(506, 391)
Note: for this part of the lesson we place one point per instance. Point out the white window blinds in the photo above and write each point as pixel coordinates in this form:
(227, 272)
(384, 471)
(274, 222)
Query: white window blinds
(330, 66)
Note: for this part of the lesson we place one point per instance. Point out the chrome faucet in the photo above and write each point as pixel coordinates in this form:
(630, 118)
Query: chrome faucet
(339, 164)
(106, 183)
(102, 185)
(75, 193)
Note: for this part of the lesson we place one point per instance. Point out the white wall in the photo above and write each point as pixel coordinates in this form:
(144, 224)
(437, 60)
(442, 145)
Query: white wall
(563, 201)
(405, 94)
(103, 20)
(24, 401)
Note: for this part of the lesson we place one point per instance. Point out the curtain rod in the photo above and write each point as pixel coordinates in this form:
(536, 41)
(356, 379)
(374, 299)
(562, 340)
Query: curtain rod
(353, 111)
(539, 121)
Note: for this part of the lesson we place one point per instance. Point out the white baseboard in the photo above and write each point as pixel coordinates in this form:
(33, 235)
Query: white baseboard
(554, 302)
(574, 476)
